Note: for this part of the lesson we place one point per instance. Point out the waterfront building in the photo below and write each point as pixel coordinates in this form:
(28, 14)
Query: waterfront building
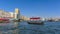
(24, 18)
(13, 15)
(17, 13)
(4, 14)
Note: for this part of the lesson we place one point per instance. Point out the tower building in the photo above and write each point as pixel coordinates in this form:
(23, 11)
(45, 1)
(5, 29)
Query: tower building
(17, 13)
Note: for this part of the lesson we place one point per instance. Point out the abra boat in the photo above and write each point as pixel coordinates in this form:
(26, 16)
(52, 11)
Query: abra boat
(35, 20)
(4, 20)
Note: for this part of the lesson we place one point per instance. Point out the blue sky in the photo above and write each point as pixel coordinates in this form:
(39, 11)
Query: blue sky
(29, 8)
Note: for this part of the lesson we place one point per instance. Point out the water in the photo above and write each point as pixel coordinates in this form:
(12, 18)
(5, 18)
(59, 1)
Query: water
(47, 28)
(25, 28)
(9, 28)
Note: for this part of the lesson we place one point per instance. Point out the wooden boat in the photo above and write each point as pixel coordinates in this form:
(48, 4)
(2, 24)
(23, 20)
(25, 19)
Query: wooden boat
(16, 20)
(36, 22)
(3, 20)
(51, 20)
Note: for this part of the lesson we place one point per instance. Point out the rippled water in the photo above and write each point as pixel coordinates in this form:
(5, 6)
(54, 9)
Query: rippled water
(47, 28)
(25, 28)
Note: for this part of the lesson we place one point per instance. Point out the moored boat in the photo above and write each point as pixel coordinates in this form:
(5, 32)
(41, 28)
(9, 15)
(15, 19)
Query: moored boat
(4, 20)
(36, 22)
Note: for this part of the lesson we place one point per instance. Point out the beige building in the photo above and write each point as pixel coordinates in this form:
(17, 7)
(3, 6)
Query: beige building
(12, 14)
(25, 18)
(4, 14)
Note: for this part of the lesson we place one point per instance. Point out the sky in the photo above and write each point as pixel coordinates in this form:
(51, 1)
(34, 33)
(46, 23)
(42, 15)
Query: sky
(33, 8)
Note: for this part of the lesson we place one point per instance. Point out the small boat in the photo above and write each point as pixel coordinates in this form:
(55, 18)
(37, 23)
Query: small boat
(16, 20)
(51, 20)
(4, 20)
(36, 22)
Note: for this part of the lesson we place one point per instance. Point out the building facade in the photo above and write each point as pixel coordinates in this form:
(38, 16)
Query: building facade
(4, 14)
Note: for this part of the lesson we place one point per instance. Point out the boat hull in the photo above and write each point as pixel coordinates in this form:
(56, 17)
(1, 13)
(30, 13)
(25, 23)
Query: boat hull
(38, 23)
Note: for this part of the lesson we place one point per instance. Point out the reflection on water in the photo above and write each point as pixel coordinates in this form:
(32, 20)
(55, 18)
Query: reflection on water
(47, 28)
(25, 28)
(9, 28)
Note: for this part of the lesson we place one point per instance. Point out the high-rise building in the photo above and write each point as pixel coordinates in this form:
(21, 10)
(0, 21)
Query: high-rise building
(17, 13)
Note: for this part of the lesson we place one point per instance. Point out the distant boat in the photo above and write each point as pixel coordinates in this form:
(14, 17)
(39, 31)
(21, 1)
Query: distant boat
(15, 20)
(35, 20)
(4, 20)
(51, 20)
